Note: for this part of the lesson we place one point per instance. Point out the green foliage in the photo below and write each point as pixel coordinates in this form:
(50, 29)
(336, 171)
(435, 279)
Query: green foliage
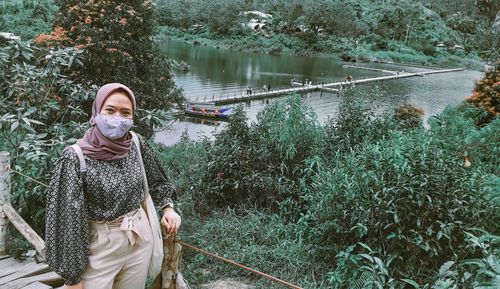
(40, 114)
(410, 196)
(275, 156)
(251, 237)
(361, 30)
(26, 18)
(384, 202)
(117, 46)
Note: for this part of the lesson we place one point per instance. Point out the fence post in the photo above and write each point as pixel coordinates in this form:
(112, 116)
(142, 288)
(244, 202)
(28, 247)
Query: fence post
(171, 263)
(4, 198)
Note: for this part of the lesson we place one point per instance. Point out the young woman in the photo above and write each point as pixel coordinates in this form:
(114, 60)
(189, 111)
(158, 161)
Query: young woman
(97, 234)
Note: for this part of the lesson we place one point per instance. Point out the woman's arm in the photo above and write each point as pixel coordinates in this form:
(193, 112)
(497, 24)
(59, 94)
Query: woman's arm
(66, 224)
(161, 189)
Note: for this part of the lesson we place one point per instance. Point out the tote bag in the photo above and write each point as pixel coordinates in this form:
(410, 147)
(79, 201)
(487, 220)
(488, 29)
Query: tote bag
(155, 266)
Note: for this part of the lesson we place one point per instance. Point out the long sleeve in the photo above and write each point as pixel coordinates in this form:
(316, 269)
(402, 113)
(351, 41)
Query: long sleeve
(67, 224)
(161, 189)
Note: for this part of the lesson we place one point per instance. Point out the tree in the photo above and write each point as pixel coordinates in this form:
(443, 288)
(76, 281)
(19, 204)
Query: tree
(465, 26)
(116, 37)
(332, 16)
(222, 16)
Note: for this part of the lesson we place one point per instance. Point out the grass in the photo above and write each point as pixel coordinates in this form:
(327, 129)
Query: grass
(254, 238)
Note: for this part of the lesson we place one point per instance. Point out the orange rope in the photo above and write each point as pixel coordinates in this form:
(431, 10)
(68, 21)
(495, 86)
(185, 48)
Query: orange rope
(239, 265)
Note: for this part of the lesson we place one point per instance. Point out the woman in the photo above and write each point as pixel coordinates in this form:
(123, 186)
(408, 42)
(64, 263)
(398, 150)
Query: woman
(97, 234)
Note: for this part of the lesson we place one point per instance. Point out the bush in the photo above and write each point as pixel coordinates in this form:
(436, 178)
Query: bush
(409, 116)
(267, 164)
(40, 114)
(409, 198)
(487, 92)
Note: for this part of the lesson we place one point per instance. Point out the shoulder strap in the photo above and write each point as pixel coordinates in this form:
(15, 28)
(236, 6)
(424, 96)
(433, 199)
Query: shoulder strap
(135, 138)
(83, 164)
(137, 144)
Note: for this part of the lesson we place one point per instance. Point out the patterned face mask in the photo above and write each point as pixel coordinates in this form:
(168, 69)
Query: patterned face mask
(113, 126)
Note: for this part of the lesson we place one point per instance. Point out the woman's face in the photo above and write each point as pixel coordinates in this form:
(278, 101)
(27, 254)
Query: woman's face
(119, 104)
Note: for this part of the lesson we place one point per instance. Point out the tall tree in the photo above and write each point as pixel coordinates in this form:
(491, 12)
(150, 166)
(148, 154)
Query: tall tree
(116, 37)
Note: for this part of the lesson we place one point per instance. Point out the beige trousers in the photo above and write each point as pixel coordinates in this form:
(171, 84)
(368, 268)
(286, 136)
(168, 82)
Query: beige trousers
(120, 252)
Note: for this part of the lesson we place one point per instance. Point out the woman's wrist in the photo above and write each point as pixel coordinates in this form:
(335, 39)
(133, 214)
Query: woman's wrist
(168, 209)
(168, 205)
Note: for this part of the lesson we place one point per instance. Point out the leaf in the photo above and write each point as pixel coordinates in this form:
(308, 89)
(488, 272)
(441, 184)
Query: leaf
(365, 246)
(493, 264)
(14, 125)
(445, 268)
(36, 121)
(411, 282)
(366, 256)
(496, 282)
(381, 265)
(26, 54)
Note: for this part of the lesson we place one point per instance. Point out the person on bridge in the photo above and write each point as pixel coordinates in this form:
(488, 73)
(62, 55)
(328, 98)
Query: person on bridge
(97, 233)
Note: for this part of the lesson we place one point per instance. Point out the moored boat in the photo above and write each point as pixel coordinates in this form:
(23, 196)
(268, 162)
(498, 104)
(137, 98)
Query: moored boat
(205, 110)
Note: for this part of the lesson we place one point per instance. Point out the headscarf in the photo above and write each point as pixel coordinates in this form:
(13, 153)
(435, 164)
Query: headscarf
(94, 144)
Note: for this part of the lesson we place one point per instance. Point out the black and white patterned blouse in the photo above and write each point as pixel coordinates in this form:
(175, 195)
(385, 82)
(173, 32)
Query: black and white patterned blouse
(113, 188)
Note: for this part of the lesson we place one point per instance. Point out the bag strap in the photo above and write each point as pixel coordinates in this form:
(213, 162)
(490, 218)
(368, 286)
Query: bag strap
(83, 164)
(135, 138)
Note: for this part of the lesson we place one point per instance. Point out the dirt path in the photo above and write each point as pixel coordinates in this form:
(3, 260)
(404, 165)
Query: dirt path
(226, 284)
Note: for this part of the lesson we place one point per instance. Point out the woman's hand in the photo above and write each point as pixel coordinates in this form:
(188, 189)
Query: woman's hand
(77, 286)
(171, 220)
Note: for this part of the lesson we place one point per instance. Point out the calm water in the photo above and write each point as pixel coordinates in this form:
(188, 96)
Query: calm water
(217, 72)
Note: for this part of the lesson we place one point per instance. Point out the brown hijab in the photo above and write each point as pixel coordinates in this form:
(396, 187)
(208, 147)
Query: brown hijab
(94, 144)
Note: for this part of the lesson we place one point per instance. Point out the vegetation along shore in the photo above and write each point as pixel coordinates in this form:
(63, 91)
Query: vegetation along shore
(444, 33)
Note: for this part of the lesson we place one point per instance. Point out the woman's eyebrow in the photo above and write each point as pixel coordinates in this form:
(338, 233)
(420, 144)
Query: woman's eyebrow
(109, 106)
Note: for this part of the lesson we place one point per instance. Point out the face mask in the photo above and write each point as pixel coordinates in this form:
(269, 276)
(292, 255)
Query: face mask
(113, 126)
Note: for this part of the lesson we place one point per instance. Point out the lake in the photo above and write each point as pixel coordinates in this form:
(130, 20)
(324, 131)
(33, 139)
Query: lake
(220, 72)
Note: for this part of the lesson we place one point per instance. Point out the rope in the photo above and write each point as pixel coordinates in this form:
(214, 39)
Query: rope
(28, 177)
(238, 265)
(201, 250)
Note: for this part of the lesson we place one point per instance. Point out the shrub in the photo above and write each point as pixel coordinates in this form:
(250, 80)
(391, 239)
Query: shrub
(409, 116)
(375, 203)
(268, 164)
(487, 92)
(40, 115)
(410, 197)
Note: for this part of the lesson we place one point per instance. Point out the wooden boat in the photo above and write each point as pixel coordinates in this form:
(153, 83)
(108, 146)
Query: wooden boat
(205, 110)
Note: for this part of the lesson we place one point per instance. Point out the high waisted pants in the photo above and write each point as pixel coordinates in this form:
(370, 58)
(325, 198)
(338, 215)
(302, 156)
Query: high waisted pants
(120, 252)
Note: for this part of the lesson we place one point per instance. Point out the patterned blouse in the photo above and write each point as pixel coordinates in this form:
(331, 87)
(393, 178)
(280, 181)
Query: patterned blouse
(113, 188)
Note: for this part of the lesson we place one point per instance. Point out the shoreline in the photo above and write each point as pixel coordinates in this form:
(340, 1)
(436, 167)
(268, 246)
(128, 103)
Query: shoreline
(279, 45)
